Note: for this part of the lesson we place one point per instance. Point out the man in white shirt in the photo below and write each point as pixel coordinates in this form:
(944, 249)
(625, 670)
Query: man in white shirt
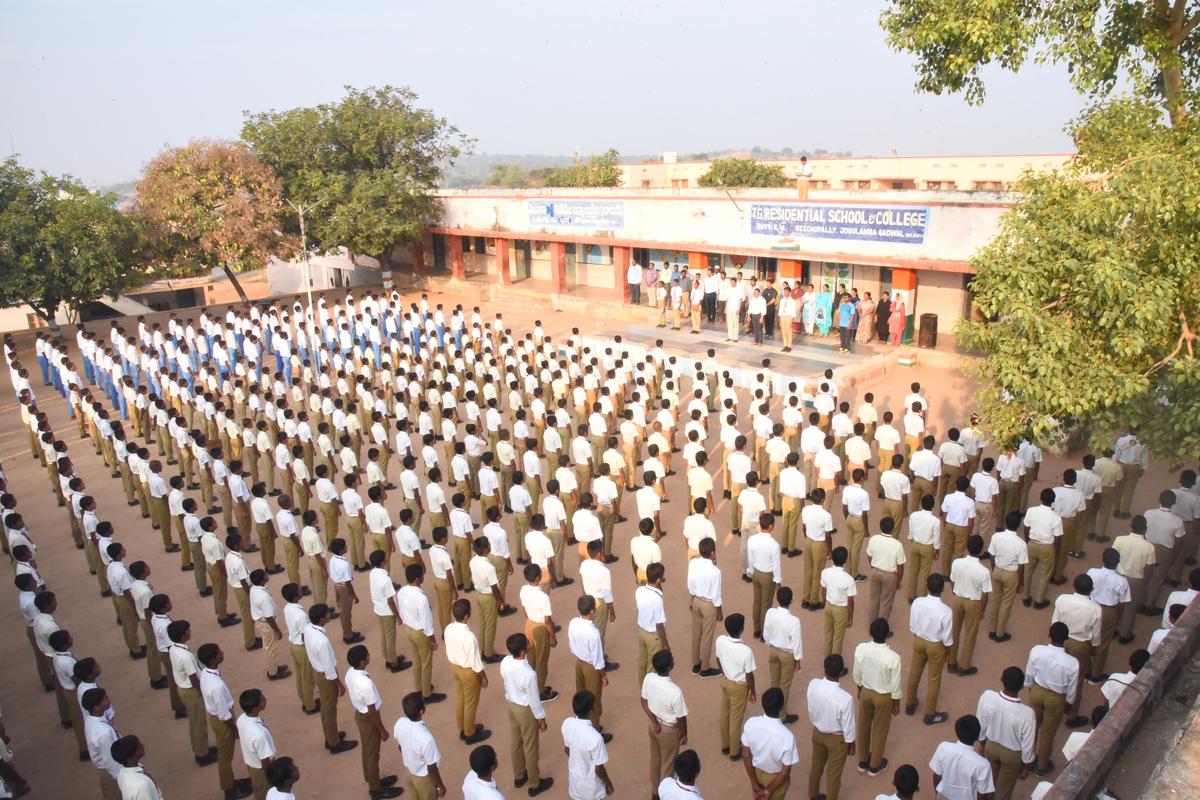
(763, 556)
(768, 750)
(958, 522)
(704, 588)
(586, 755)
(1110, 589)
(959, 772)
(781, 634)
(325, 676)
(417, 618)
(877, 675)
(257, 743)
(583, 639)
(526, 717)
(736, 661)
(831, 711)
(133, 780)
(1010, 555)
(1053, 675)
(838, 589)
(1007, 729)
(418, 749)
(972, 586)
(682, 784)
(930, 621)
(1043, 531)
(651, 618)
(462, 651)
(985, 490)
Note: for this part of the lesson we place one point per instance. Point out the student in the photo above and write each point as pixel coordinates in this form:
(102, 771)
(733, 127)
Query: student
(133, 781)
(1007, 730)
(218, 704)
(417, 618)
(1081, 614)
(100, 734)
(838, 589)
(930, 621)
(735, 659)
(526, 717)
(419, 750)
(785, 646)
(257, 743)
(263, 611)
(972, 586)
(906, 782)
(185, 672)
(1054, 677)
(583, 639)
(885, 554)
(462, 651)
(539, 628)
(282, 775)
(682, 784)
(479, 783)
(831, 711)
(704, 588)
(1010, 555)
(364, 697)
(324, 667)
(663, 703)
(651, 618)
(960, 773)
(763, 557)
(586, 755)
(877, 675)
(768, 749)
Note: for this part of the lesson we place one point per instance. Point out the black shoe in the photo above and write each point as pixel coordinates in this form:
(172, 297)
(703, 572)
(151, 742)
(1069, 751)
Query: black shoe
(208, 758)
(1041, 605)
(481, 734)
(564, 582)
(747, 579)
(180, 713)
(711, 672)
(279, 674)
(400, 665)
(790, 719)
(386, 791)
(607, 737)
(257, 644)
(161, 683)
(611, 559)
(250, 549)
(494, 658)
(1041, 773)
(507, 612)
(435, 697)
(806, 605)
(548, 696)
(278, 568)
(139, 654)
(207, 592)
(1027, 602)
(521, 781)
(342, 746)
(696, 668)
(543, 785)
(238, 792)
(611, 666)
(305, 591)
(964, 673)
(173, 548)
(355, 639)
(1078, 722)
(936, 718)
(1058, 581)
(188, 568)
(316, 709)
(229, 620)
(875, 772)
(1124, 639)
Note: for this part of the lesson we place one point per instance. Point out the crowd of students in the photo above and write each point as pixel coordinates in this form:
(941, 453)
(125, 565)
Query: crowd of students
(370, 442)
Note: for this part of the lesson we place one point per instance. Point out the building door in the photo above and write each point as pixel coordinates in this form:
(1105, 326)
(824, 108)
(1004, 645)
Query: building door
(570, 257)
(521, 256)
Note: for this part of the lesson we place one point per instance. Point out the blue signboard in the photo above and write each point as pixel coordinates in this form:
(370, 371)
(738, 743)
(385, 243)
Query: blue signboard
(861, 223)
(607, 215)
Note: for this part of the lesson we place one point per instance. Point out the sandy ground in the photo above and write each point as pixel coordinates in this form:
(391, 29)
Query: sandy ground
(46, 753)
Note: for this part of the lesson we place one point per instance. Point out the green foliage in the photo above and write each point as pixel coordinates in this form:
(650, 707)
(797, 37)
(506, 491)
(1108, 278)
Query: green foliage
(60, 243)
(372, 160)
(599, 170)
(1102, 42)
(209, 204)
(732, 172)
(510, 176)
(1094, 283)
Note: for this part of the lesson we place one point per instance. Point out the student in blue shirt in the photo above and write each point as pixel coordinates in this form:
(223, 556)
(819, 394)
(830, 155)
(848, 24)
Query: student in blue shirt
(846, 314)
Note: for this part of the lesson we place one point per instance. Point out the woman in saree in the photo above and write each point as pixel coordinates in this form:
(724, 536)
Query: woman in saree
(866, 319)
(824, 311)
(896, 322)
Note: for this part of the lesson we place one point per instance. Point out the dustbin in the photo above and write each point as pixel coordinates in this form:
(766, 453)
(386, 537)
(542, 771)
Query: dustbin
(927, 335)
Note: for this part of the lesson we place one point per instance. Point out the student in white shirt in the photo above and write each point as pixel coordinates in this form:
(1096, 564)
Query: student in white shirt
(586, 754)
(768, 749)
(961, 773)
(418, 749)
(526, 716)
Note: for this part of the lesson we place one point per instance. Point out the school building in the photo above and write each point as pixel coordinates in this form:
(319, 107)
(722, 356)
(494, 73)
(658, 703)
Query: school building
(581, 241)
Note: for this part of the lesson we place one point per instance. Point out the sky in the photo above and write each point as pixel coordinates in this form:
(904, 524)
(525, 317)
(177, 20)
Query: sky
(96, 89)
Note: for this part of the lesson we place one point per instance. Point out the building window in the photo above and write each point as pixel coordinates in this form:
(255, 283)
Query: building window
(679, 183)
(645, 184)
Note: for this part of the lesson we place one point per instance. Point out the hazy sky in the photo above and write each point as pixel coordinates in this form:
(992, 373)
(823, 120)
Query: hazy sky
(96, 88)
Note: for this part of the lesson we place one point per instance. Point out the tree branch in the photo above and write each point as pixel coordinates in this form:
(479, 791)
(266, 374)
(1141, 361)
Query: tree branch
(1188, 27)
(1186, 337)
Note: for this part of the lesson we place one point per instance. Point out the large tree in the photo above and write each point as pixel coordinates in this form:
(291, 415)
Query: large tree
(1093, 284)
(61, 244)
(372, 161)
(601, 170)
(209, 205)
(743, 172)
(1149, 43)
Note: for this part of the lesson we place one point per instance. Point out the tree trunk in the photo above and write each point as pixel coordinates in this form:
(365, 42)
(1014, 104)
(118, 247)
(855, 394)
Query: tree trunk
(233, 279)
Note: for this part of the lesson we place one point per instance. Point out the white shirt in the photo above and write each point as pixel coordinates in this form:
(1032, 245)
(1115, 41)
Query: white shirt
(583, 638)
(100, 734)
(414, 609)
(650, 611)
(735, 657)
(664, 697)
(763, 555)
(931, 619)
(965, 774)
(520, 685)
(672, 788)
(476, 788)
(462, 648)
(320, 651)
(772, 745)
(135, 784)
(361, 690)
(585, 752)
(781, 629)
(1007, 722)
(831, 708)
(704, 580)
(417, 746)
(256, 740)
(381, 592)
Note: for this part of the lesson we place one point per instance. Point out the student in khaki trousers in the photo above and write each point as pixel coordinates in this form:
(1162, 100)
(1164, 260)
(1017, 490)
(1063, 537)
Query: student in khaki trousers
(704, 586)
(663, 703)
(185, 671)
(930, 621)
(294, 620)
(462, 651)
(417, 617)
(1053, 675)
(365, 699)
(886, 558)
(1010, 555)
(736, 661)
(781, 634)
(972, 585)
(218, 704)
(877, 675)
(415, 741)
(526, 717)
(831, 709)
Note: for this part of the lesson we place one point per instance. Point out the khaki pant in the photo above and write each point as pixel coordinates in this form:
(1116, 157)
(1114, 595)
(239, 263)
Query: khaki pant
(587, 678)
(422, 787)
(883, 593)
(733, 711)
(461, 552)
(291, 559)
(258, 779)
(858, 532)
(487, 623)
(1109, 615)
(154, 664)
(704, 624)
(954, 545)
(1163, 556)
(270, 645)
(664, 747)
(1038, 570)
(764, 592)
(1131, 473)
(835, 627)
(1004, 591)
(387, 635)
(1006, 767)
(243, 601)
(828, 759)
(791, 522)
(327, 691)
(109, 790)
(1009, 498)
(965, 628)
(304, 676)
(648, 645)
(199, 570)
(368, 745)
(1067, 544)
(764, 780)
(358, 555)
(524, 730)
(782, 667)
(814, 562)
(920, 563)
(1137, 598)
(197, 720)
(786, 329)
(445, 600)
(220, 586)
(1048, 710)
(1082, 652)
(345, 607)
(933, 655)
(422, 656)
(466, 698)
(223, 733)
(266, 543)
(874, 722)
(129, 623)
(985, 518)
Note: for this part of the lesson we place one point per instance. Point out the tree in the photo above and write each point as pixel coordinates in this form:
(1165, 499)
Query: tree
(1095, 287)
(732, 172)
(60, 244)
(510, 176)
(374, 159)
(599, 170)
(210, 204)
(1102, 42)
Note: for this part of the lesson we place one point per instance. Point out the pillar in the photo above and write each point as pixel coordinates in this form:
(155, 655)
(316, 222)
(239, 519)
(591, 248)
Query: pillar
(558, 268)
(905, 280)
(454, 247)
(418, 257)
(502, 259)
(620, 256)
(697, 262)
(790, 269)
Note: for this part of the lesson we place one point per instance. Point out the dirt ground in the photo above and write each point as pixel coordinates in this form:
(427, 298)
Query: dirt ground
(45, 753)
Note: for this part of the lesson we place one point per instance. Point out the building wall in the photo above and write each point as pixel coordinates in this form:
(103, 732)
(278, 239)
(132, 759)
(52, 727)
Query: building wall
(941, 293)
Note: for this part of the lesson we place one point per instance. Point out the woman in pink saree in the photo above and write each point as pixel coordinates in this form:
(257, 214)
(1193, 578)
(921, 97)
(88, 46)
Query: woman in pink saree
(896, 323)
